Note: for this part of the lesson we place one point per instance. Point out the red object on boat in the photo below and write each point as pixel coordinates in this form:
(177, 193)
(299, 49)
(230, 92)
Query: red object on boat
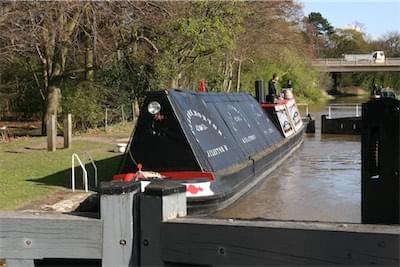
(194, 189)
(188, 175)
(126, 177)
(202, 86)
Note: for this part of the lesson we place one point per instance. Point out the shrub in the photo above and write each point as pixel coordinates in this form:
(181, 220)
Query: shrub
(86, 102)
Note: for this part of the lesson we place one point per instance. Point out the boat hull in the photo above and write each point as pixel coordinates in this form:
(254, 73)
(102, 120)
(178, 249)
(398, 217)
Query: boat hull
(230, 187)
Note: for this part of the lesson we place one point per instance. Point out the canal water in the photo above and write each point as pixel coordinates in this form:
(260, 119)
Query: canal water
(319, 182)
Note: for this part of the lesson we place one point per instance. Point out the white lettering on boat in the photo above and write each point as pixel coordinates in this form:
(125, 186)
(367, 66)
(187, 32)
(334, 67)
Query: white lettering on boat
(216, 151)
(249, 139)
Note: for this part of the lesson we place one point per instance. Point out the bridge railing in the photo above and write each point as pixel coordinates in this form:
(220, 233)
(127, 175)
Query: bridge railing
(341, 61)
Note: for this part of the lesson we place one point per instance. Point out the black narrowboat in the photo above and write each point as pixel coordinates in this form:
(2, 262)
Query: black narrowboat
(219, 145)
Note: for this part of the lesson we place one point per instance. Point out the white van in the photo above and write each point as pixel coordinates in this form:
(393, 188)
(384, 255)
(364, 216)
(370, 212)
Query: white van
(374, 57)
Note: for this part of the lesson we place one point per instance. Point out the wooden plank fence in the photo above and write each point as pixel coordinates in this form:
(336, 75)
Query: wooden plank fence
(152, 229)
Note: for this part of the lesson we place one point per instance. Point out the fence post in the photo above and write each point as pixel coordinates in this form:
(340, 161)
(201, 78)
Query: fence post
(136, 108)
(105, 121)
(117, 213)
(51, 133)
(122, 113)
(68, 131)
(162, 200)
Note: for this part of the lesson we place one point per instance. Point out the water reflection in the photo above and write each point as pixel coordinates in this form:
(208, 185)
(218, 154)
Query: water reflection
(320, 182)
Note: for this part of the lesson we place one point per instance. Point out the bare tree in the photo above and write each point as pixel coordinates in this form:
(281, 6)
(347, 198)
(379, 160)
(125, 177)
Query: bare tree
(72, 37)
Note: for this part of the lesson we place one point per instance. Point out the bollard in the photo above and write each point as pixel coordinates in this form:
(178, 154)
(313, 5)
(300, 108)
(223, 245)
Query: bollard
(51, 133)
(162, 200)
(380, 156)
(260, 94)
(117, 212)
(68, 131)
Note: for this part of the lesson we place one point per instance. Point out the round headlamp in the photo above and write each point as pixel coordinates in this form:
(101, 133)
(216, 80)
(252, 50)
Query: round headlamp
(154, 107)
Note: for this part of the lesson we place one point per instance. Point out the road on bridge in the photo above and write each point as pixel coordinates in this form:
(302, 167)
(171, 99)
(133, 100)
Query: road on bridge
(341, 65)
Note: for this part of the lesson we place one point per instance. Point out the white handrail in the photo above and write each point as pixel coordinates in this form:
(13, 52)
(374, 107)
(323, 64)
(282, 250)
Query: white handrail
(85, 180)
(353, 106)
(94, 167)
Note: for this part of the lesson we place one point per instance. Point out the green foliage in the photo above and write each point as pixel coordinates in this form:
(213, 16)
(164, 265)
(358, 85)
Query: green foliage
(307, 83)
(129, 79)
(86, 101)
(202, 29)
(348, 41)
(321, 24)
(19, 90)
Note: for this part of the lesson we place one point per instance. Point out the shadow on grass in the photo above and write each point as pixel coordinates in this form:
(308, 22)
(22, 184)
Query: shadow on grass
(106, 169)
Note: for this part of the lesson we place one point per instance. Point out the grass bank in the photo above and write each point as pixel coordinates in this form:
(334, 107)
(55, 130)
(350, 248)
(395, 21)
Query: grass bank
(29, 173)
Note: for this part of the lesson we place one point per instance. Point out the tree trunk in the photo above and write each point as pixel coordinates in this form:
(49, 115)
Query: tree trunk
(230, 77)
(136, 105)
(89, 48)
(238, 76)
(54, 60)
(53, 100)
(226, 77)
(174, 83)
(89, 63)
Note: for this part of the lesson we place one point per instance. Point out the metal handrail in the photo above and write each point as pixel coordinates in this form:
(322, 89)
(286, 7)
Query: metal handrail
(85, 180)
(344, 106)
(94, 167)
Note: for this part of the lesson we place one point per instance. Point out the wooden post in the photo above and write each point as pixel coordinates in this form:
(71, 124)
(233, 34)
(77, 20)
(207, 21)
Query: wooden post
(133, 111)
(137, 111)
(105, 121)
(122, 113)
(51, 133)
(68, 131)
(117, 213)
(162, 200)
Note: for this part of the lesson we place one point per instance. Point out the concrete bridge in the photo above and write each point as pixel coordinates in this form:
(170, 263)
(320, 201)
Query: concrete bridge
(338, 65)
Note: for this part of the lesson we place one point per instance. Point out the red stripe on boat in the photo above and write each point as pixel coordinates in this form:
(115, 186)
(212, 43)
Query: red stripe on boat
(277, 103)
(188, 175)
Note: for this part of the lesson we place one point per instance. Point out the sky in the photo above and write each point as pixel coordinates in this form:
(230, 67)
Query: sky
(378, 17)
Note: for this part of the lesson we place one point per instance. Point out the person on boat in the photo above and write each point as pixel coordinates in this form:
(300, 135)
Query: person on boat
(374, 89)
(272, 92)
(289, 84)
